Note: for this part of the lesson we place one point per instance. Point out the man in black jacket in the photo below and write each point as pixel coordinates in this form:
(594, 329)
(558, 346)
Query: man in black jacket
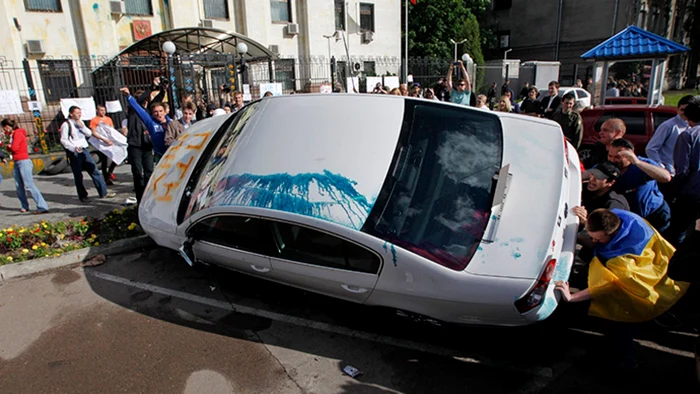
(552, 102)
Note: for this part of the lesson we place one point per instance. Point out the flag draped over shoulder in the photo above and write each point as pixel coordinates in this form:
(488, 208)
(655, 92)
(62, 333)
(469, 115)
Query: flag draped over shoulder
(632, 285)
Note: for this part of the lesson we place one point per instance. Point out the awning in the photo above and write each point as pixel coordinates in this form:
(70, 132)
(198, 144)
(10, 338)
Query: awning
(635, 43)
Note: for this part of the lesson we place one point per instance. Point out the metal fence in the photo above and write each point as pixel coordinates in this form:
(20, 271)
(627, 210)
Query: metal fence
(49, 80)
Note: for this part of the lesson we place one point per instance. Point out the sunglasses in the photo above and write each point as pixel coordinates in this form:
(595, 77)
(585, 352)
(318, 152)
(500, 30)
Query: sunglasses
(462, 84)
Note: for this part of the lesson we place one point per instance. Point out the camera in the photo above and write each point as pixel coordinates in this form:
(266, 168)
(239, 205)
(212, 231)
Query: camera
(225, 88)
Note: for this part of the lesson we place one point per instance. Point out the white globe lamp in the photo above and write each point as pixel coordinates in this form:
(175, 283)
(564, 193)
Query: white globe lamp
(169, 47)
(242, 48)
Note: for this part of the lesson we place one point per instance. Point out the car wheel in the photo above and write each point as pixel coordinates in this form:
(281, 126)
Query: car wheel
(56, 167)
(584, 153)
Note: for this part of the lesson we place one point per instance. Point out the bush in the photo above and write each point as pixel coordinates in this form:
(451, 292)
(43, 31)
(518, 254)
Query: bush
(53, 239)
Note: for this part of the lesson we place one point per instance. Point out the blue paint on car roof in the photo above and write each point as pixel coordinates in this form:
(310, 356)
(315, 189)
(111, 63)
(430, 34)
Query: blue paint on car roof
(634, 42)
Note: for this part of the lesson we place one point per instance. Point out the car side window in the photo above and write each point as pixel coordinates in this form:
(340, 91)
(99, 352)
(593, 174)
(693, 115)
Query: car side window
(660, 118)
(634, 122)
(580, 93)
(599, 123)
(238, 232)
(304, 245)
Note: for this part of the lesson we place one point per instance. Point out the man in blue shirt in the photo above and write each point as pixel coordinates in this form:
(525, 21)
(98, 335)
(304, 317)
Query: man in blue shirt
(461, 94)
(156, 123)
(638, 183)
(687, 180)
(663, 142)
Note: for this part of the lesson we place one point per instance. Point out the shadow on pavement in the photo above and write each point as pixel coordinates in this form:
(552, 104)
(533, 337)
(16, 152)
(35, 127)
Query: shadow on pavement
(503, 359)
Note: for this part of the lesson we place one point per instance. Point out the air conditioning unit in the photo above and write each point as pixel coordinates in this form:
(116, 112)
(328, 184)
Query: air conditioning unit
(274, 49)
(117, 7)
(207, 23)
(292, 29)
(358, 67)
(35, 47)
(367, 37)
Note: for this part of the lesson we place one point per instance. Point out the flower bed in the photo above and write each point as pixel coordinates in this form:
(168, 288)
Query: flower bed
(53, 239)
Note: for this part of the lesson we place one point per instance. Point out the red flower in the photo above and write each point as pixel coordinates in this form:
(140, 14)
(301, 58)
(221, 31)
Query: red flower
(36, 149)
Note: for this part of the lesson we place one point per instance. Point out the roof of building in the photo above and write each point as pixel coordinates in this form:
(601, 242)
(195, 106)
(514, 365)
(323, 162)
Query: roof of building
(634, 42)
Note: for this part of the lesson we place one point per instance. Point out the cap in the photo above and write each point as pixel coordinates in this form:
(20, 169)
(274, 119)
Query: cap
(605, 171)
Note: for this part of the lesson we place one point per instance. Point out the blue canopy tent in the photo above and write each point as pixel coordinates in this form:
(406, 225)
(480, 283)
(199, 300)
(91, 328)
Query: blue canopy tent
(633, 44)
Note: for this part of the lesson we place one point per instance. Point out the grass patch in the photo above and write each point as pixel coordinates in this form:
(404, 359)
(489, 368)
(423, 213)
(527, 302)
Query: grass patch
(672, 97)
(53, 239)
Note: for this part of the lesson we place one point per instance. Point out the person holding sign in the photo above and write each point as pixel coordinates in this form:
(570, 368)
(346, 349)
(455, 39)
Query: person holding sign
(107, 164)
(74, 135)
(23, 167)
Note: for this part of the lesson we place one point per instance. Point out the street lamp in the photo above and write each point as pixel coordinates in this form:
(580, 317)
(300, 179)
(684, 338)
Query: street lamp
(242, 49)
(457, 43)
(330, 58)
(169, 49)
(505, 54)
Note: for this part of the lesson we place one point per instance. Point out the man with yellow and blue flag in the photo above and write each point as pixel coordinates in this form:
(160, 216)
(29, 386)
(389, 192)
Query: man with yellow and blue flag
(627, 278)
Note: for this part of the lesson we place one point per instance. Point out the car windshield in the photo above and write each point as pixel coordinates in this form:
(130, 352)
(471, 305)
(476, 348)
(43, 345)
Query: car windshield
(437, 198)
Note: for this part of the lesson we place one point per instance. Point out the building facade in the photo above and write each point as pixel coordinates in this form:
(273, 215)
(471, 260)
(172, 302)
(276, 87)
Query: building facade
(303, 33)
(558, 30)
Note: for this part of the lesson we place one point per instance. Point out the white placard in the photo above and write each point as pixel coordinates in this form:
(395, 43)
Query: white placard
(247, 97)
(275, 88)
(246, 89)
(116, 151)
(10, 104)
(86, 105)
(113, 106)
(353, 85)
(372, 83)
(326, 88)
(35, 106)
(391, 82)
(409, 77)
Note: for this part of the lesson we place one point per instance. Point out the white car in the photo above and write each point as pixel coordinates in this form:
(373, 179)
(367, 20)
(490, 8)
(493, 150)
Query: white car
(582, 96)
(432, 208)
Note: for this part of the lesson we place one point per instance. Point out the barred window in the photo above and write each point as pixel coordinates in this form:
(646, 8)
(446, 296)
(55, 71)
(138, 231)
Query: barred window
(43, 5)
(281, 10)
(138, 7)
(366, 17)
(216, 9)
(339, 14)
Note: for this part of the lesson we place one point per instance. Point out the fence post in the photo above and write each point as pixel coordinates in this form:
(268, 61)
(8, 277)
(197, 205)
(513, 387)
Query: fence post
(37, 114)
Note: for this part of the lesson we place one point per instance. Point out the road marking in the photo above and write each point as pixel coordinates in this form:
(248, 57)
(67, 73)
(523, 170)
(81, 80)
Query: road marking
(545, 373)
(650, 345)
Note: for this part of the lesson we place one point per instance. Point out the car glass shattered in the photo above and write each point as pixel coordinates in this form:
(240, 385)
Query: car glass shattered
(439, 199)
(209, 183)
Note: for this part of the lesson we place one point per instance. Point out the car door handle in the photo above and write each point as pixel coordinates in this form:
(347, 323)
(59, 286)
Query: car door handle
(354, 289)
(259, 269)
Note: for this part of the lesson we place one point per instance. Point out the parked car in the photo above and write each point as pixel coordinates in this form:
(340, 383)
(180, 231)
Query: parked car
(427, 207)
(641, 122)
(582, 96)
(627, 100)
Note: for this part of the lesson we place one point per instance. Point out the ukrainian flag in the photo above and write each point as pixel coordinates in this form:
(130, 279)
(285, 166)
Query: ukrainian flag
(627, 278)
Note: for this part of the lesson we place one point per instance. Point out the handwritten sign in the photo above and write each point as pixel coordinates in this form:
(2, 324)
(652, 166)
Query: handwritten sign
(275, 88)
(10, 104)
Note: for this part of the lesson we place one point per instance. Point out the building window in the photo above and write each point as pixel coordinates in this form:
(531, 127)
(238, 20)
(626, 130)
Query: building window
(339, 14)
(370, 69)
(57, 79)
(216, 9)
(43, 5)
(281, 10)
(284, 73)
(138, 7)
(502, 4)
(366, 17)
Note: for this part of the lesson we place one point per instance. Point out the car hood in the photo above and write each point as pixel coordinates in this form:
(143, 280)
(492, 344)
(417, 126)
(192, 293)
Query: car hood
(523, 238)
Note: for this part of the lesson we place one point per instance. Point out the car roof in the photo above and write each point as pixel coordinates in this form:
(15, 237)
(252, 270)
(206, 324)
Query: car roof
(634, 107)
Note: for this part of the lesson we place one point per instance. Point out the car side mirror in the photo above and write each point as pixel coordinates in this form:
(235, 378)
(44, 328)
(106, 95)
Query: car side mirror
(186, 251)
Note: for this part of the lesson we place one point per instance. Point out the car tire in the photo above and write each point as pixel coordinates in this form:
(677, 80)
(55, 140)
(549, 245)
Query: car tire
(56, 167)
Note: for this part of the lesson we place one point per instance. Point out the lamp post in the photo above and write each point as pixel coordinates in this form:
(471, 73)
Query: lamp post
(457, 43)
(169, 49)
(331, 59)
(242, 49)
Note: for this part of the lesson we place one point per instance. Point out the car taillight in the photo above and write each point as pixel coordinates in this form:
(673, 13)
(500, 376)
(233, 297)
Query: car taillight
(566, 152)
(536, 295)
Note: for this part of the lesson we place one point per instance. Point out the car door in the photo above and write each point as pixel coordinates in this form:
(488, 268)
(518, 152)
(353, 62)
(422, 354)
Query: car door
(240, 243)
(321, 262)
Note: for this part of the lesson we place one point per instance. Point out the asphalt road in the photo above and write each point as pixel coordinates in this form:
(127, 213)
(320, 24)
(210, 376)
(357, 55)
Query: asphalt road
(145, 322)
(62, 198)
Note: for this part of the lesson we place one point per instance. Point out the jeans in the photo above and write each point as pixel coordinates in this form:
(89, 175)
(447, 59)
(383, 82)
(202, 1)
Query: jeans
(83, 161)
(24, 180)
(141, 161)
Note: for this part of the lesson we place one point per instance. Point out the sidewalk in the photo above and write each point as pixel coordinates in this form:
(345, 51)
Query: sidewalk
(59, 192)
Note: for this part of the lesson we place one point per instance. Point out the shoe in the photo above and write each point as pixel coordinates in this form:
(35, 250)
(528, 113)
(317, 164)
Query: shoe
(112, 177)
(23, 210)
(38, 212)
(109, 182)
(109, 195)
(85, 199)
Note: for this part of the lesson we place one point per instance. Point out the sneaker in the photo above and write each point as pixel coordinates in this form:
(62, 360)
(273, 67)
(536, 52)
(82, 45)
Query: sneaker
(109, 195)
(85, 199)
(112, 177)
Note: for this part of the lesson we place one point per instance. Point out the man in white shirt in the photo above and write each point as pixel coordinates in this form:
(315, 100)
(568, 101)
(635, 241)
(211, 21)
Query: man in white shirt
(74, 135)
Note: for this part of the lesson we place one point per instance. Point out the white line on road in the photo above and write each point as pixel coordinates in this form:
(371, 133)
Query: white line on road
(544, 374)
(650, 345)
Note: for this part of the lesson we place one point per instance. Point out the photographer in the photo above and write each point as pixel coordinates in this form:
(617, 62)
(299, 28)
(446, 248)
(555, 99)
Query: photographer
(379, 89)
(224, 95)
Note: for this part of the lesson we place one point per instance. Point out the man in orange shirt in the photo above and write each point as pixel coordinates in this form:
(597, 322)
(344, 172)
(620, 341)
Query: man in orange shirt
(106, 163)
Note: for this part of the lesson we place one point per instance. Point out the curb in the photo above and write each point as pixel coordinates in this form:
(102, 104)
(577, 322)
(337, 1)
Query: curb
(74, 257)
